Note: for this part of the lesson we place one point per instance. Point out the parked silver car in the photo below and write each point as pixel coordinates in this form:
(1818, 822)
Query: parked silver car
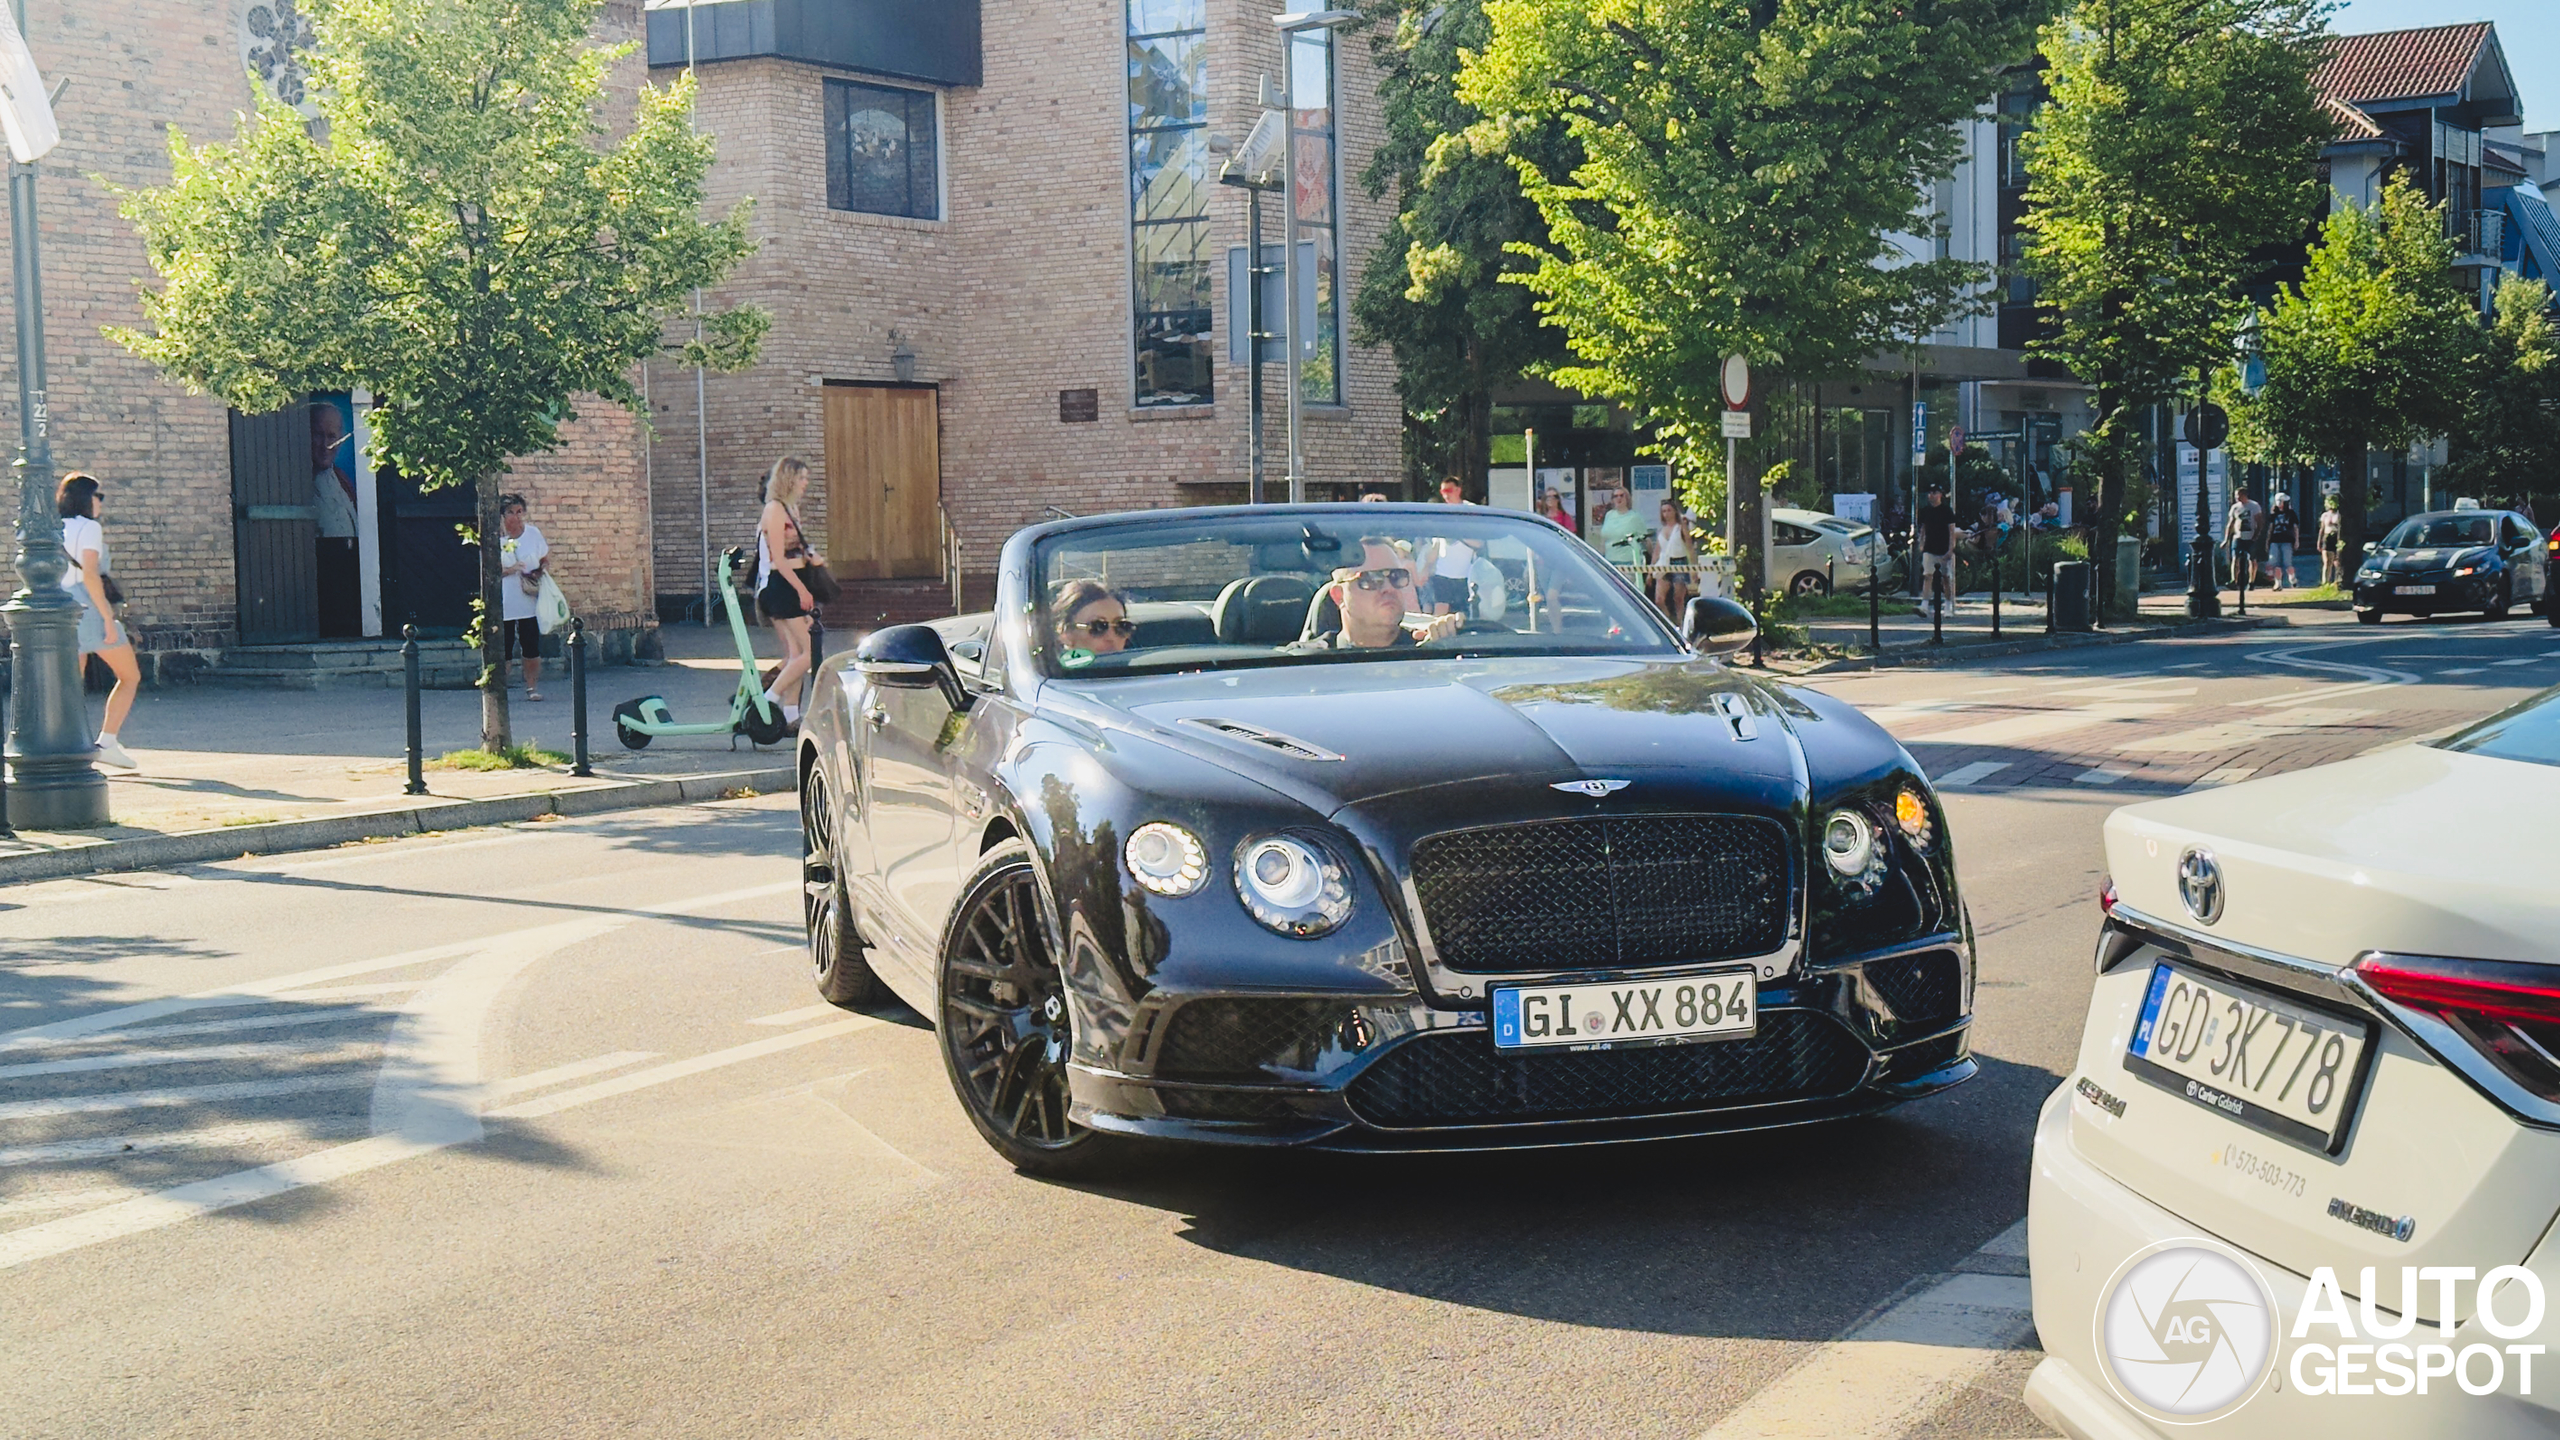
(1811, 552)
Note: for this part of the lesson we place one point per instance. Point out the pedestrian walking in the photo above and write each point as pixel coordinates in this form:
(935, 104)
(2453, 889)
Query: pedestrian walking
(1933, 534)
(2239, 533)
(1551, 504)
(80, 501)
(522, 556)
(1672, 558)
(2332, 539)
(2283, 532)
(781, 554)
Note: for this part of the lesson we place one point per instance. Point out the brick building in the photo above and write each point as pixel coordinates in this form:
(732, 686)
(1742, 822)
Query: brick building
(997, 257)
(216, 520)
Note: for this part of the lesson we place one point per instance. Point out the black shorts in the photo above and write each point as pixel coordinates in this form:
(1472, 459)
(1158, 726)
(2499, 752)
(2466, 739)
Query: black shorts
(524, 637)
(778, 600)
(1454, 591)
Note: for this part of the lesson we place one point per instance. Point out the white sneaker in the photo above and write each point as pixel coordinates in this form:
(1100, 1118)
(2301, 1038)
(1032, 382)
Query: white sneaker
(111, 752)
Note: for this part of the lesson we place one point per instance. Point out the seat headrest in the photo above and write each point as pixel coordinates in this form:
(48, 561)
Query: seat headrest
(1261, 610)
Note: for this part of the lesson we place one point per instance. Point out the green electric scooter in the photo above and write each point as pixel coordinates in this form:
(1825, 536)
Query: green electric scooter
(637, 722)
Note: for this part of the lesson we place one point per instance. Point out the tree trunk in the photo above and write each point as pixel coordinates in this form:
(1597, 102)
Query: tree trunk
(494, 732)
(2112, 455)
(2351, 482)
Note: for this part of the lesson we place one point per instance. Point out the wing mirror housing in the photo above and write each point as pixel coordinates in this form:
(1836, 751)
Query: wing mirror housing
(2372, 545)
(910, 657)
(1714, 625)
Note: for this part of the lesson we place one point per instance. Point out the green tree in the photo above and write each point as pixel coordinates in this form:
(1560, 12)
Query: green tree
(2507, 444)
(1741, 169)
(1432, 289)
(457, 233)
(2376, 348)
(2182, 136)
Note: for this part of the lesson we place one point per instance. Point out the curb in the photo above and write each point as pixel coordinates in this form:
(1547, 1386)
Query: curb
(196, 847)
(1901, 657)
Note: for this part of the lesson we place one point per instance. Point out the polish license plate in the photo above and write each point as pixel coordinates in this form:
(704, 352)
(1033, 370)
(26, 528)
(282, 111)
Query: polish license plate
(1676, 1010)
(2413, 589)
(2286, 1069)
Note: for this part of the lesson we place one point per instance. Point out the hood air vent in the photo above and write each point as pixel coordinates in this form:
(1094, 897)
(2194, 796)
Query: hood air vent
(1288, 745)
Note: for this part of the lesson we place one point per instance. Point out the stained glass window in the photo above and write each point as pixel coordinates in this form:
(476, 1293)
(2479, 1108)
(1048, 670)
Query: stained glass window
(1169, 194)
(883, 157)
(1312, 174)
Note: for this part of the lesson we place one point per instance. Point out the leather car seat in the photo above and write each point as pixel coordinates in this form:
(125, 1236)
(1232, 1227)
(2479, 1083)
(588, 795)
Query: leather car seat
(1261, 610)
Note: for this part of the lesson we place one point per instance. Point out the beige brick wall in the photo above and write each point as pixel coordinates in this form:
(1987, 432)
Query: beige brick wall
(137, 67)
(1021, 291)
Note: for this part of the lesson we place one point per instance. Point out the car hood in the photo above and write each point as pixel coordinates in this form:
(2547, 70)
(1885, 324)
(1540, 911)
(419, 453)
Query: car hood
(2410, 849)
(1419, 724)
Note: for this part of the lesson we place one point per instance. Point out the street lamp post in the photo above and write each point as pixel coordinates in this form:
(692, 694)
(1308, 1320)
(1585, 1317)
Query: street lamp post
(55, 784)
(1255, 167)
(1292, 25)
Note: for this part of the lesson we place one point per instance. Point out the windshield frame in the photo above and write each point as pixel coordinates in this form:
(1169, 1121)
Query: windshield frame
(1042, 542)
(2391, 540)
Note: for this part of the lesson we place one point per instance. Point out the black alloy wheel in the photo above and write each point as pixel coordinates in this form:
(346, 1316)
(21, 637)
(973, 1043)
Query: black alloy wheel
(836, 959)
(1004, 1025)
(2369, 617)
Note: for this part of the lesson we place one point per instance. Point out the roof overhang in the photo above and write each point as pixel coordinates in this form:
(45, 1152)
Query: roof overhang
(935, 41)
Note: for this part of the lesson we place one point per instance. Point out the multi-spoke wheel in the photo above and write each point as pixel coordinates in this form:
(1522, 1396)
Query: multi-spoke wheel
(1005, 1027)
(835, 948)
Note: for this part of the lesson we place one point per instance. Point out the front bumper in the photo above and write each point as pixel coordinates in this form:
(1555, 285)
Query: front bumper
(1341, 1072)
(2472, 592)
(2082, 1224)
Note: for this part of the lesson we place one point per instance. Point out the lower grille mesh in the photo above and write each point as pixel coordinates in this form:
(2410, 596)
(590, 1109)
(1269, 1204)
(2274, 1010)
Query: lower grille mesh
(1458, 1078)
(1924, 990)
(1245, 1038)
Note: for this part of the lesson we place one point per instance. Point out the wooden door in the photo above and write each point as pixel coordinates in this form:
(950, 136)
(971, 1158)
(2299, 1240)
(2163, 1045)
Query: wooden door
(275, 527)
(884, 481)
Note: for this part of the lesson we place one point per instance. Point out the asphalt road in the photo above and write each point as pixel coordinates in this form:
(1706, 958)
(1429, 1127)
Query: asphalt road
(539, 1131)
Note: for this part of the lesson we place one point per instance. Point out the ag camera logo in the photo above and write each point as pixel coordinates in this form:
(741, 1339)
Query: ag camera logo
(2187, 1332)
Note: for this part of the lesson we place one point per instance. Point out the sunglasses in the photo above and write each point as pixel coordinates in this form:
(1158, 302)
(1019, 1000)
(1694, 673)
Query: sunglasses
(1122, 628)
(1397, 579)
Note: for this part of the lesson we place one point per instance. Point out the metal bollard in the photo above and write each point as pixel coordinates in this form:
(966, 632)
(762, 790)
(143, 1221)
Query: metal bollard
(578, 694)
(417, 725)
(2241, 563)
(1761, 618)
(1875, 602)
(8, 663)
(1995, 584)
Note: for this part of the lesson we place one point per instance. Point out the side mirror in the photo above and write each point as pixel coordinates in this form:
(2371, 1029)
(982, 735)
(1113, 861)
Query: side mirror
(1714, 625)
(2372, 545)
(909, 657)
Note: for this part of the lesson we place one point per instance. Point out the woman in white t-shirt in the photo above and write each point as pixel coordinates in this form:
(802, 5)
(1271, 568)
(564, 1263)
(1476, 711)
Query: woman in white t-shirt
(1672, 588)
(102, 632)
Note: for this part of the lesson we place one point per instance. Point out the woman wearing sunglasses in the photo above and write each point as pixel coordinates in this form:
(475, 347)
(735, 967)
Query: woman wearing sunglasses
(1091, 618)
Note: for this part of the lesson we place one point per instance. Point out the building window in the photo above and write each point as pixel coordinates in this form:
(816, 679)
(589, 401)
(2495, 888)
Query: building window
(883, 157)
(1312, 192)
(1169, 189)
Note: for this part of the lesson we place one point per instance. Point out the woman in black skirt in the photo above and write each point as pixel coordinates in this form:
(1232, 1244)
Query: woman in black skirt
(781, 553)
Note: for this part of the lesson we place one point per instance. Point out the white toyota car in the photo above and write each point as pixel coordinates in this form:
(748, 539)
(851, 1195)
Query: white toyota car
(2302, 1178)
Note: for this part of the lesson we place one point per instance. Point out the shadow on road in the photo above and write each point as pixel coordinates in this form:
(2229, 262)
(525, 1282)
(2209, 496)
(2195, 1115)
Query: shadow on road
(1783, 1235)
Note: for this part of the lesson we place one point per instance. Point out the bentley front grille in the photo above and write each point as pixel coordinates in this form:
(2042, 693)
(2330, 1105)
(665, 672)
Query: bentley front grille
(1605, 893)
(1456, 1077)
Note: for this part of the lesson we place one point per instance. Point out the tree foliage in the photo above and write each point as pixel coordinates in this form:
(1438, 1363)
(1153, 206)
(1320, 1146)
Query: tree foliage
(2507, 443)
(2377, 348)
(1433, 288)
(458, 234)
(2182, 136)
(1742, 165)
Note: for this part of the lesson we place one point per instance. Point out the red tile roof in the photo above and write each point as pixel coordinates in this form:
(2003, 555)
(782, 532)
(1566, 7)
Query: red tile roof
(2401, 64)
(2352, 123)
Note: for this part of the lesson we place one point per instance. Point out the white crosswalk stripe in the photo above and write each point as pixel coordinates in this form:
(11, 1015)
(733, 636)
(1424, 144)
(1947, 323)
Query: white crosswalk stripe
(315, 1050)
(1972, 774)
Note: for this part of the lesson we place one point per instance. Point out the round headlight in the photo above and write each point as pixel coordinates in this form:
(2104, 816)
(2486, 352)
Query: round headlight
(1166, 859)
(1292, 886)
(1848, 844)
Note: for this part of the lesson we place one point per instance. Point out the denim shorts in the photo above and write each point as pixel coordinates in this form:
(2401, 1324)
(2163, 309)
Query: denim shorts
(93, 629)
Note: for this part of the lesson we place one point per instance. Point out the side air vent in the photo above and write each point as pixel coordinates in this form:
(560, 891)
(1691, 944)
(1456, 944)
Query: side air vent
(1288, 745)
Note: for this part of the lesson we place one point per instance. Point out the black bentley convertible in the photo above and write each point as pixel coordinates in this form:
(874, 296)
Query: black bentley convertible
(1374, 827)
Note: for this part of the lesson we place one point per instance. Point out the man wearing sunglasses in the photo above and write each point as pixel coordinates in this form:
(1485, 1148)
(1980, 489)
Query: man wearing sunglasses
(1376, 597)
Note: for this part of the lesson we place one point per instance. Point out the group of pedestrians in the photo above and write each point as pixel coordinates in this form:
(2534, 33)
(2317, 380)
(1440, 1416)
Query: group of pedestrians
(2262, 544)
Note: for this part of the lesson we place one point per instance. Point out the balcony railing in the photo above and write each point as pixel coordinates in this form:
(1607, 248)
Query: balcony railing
(2481, 232)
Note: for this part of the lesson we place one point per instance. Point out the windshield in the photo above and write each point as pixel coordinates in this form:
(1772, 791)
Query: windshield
(2441, 531)
(1328, 583)
(2530, 732)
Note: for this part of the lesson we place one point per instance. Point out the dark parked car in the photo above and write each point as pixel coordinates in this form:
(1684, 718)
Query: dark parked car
(1218, 829)
(2485, 560)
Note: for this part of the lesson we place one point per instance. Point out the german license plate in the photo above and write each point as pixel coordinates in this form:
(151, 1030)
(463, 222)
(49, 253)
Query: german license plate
(2413, 589)
(1676, 1010)
(2272, 1065)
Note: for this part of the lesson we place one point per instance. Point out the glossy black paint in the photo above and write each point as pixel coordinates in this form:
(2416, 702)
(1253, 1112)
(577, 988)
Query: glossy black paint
(1426, 746)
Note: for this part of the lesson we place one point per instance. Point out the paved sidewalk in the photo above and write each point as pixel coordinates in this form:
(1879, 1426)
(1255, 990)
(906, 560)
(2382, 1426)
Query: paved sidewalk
(230, 762)
(1967, 627)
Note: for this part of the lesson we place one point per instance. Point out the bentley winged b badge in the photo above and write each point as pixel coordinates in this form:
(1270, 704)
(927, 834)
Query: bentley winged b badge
(1593, 788)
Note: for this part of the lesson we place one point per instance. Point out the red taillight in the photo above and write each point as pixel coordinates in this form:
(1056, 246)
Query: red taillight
(2492, 989)
(2107, 896)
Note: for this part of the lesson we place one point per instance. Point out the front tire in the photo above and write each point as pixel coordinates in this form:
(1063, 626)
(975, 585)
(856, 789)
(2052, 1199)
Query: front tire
(624, 715)
(837, 960)
(1004, 1025)
(1808, 583)
(2368, 617)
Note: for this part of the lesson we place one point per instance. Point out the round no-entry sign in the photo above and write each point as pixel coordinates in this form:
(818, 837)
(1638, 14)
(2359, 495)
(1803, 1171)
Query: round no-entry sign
(1737, 382)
